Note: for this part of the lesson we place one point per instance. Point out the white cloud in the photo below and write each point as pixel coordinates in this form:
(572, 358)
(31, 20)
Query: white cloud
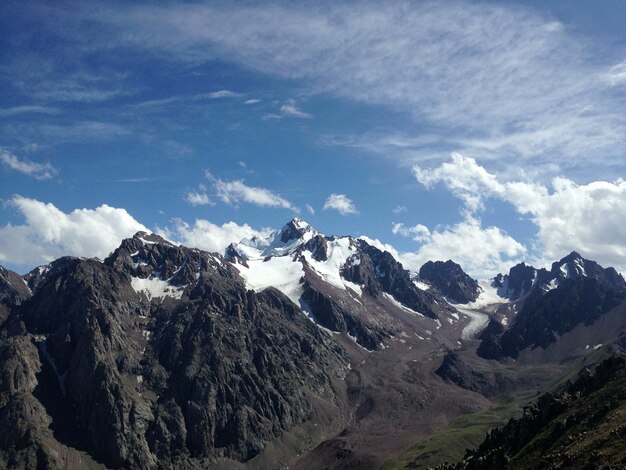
(252, 101)
(208, 236)
(399, 209)
(418, 233)
(40, 171)
(481, 252)
(464, 177)
(49, 233)
(616, 74)
(309, 209)
(290, 109)
(502, 79)
(222, 94)
(236, 191)
(340, 203)
(28, 109)
(588, 218)
(196, 198)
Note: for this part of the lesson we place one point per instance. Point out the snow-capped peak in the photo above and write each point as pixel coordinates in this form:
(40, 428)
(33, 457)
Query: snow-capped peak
(297, 229)
(573, 265)
(285, 241)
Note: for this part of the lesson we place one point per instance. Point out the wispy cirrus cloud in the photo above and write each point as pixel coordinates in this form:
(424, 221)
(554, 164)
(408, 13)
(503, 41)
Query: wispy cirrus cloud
(499, 79)
(496, 80)
(27, 109)
(176, 100)
(290, 109)
(40, 171)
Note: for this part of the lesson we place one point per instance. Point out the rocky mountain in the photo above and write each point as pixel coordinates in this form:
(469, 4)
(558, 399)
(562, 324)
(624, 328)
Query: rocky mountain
(298, 349)
(157, 357)
(163, 356)
(579, 427)
(522, 278)
(574, 291)
(336, 280)
(450, 280)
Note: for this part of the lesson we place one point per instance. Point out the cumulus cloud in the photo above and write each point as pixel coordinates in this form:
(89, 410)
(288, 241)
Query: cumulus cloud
(464, 177)
(196, 198)
(341, 203)
(589, 218)
(236, 191)
(418, 232)
(40, 171)
(48, 233)
(481, 252)
(209, 236)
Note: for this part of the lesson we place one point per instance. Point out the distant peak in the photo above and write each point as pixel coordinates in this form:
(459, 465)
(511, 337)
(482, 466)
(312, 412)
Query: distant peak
(294, 229)
(149, 238)
(572, 256)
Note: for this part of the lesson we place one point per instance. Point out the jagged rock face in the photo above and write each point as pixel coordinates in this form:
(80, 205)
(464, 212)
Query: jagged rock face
(190, 374)
(294, 230)
(519, 281)
(522, 278)
(318, 246)
(574, 266)
(580, 427)
(13, 291)
(575, 291)
(333, 314)
(450, 280)
(378, 272)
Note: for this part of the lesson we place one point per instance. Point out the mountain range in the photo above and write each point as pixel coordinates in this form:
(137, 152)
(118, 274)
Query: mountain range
(298, 350)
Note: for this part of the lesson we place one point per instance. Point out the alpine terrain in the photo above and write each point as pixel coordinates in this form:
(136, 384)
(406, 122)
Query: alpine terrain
(307, 351)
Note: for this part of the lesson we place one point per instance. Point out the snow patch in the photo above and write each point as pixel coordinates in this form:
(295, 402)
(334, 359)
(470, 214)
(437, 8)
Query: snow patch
(488, 296)
(156, 288)
(400, 305)
(280, 272)
(339, 250)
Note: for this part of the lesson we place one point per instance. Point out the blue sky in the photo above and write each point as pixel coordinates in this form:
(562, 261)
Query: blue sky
(485, 132)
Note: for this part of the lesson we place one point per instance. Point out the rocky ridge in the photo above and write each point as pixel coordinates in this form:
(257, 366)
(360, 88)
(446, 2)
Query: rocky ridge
(157, 357)
(574, 291)
(450, 280)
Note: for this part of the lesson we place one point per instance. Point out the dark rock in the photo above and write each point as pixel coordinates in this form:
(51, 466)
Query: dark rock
(450, 280)
(575, 291)
(173, 382)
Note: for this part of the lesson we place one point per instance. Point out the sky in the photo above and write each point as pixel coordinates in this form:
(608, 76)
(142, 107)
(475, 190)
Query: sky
(484, 132)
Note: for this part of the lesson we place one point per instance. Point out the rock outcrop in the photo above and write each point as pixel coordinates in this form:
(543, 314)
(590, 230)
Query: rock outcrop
(450, 280)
